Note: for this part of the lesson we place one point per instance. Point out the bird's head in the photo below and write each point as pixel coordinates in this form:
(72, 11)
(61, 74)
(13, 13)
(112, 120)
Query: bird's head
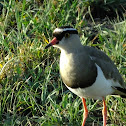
(65, 37)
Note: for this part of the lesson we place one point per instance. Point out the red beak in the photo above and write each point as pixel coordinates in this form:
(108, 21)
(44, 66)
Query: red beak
(53, 42)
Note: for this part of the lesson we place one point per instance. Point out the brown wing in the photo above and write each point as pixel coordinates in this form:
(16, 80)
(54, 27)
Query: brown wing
(108, 67)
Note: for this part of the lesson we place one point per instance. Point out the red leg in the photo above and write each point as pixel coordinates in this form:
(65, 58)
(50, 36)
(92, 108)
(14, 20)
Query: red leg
(85, 111)
(104, 112)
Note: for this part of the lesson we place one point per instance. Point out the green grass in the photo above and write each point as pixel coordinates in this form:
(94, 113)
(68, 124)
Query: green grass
(31, 90)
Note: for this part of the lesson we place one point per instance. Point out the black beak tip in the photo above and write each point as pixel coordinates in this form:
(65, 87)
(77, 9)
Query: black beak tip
(48, 46)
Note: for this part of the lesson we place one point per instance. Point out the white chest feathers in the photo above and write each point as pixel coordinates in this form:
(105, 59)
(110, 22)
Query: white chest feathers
(67, 65)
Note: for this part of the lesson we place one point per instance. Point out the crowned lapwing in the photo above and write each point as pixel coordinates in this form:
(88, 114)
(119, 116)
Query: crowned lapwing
(86, 71)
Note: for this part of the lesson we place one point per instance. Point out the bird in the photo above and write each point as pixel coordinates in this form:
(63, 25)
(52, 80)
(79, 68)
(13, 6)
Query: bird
(86, 71)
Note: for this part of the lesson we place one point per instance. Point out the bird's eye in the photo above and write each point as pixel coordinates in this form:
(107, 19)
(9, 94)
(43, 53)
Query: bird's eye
(67, 35)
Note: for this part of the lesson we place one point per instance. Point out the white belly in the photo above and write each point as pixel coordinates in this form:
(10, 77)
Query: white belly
(101, 87)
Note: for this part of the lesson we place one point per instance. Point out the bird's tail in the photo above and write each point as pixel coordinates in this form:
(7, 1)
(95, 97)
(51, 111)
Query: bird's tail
(120, 91)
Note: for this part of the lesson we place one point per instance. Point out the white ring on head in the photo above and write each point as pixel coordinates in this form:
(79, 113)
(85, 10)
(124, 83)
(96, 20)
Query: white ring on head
(64, 29)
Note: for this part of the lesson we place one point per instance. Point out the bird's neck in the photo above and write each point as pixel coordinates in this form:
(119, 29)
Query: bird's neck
(72, 49)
